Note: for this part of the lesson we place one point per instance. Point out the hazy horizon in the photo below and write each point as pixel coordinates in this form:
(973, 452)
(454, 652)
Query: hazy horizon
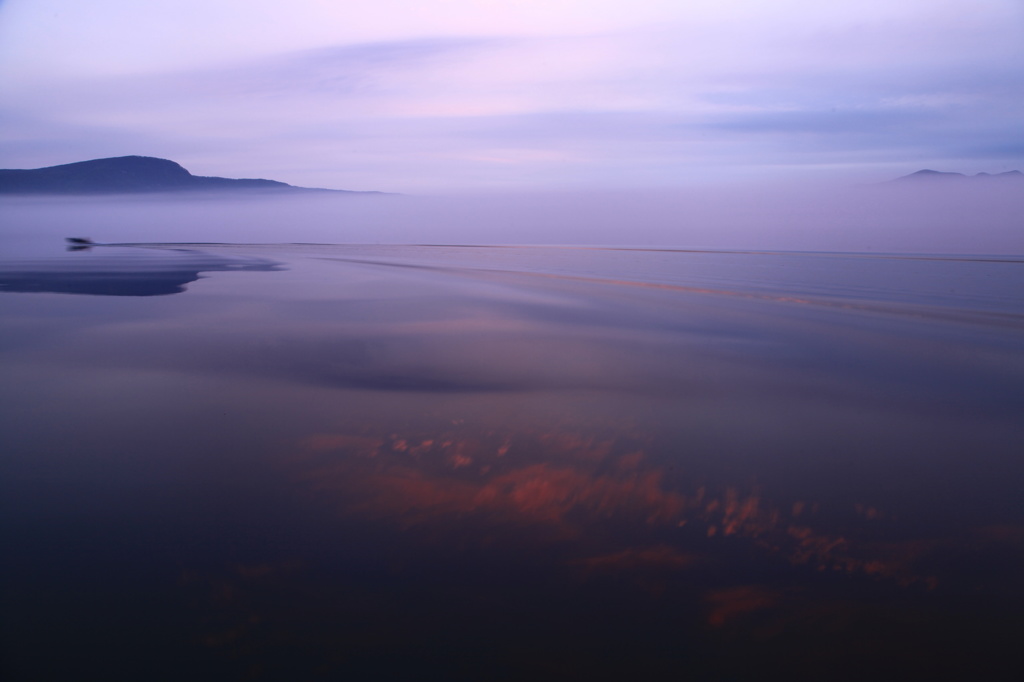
(890, 218)
(466, 95)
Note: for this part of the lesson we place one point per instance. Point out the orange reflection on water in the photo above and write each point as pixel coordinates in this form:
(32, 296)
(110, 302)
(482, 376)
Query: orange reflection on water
(733, 602)
(659, 557)
(540, 493)
(570, 484)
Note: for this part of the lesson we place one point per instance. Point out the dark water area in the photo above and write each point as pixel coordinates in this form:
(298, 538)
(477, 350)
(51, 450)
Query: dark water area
(406, 462)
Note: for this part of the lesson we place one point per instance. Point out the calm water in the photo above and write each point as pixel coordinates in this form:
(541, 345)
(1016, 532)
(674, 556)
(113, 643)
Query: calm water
(402, 462)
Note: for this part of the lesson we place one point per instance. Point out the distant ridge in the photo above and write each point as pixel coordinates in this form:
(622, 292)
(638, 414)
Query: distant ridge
(130, 175)
(933, 175)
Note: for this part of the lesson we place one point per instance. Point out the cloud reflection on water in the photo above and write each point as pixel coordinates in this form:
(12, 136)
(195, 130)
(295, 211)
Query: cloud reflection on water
(568, 487)
(602, 519)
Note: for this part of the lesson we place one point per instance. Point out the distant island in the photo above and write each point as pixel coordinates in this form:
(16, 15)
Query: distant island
(933, 175)
(131, 175)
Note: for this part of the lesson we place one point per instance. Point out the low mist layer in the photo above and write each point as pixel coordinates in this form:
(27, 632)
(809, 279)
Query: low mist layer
(880, 218)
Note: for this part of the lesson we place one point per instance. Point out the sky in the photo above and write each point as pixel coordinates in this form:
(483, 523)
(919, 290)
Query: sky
(435, 96)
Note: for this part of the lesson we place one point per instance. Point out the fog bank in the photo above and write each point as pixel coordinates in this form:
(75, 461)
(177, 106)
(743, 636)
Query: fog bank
(944, 218)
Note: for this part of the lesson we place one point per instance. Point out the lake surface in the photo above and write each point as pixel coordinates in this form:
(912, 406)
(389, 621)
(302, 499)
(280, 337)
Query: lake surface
(411, 462)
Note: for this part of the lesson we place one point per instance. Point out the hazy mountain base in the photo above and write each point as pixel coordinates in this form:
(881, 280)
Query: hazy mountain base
(930, 175)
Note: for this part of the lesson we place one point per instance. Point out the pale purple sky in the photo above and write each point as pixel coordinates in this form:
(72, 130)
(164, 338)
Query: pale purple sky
(448, 95)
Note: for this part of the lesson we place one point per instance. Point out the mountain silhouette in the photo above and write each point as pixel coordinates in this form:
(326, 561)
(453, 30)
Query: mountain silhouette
(933, 175)
(128, 175)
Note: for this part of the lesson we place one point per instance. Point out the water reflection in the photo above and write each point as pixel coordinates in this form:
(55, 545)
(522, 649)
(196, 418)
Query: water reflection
(592, 553)
(119, 271)
(354, 470)
(566, 487)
